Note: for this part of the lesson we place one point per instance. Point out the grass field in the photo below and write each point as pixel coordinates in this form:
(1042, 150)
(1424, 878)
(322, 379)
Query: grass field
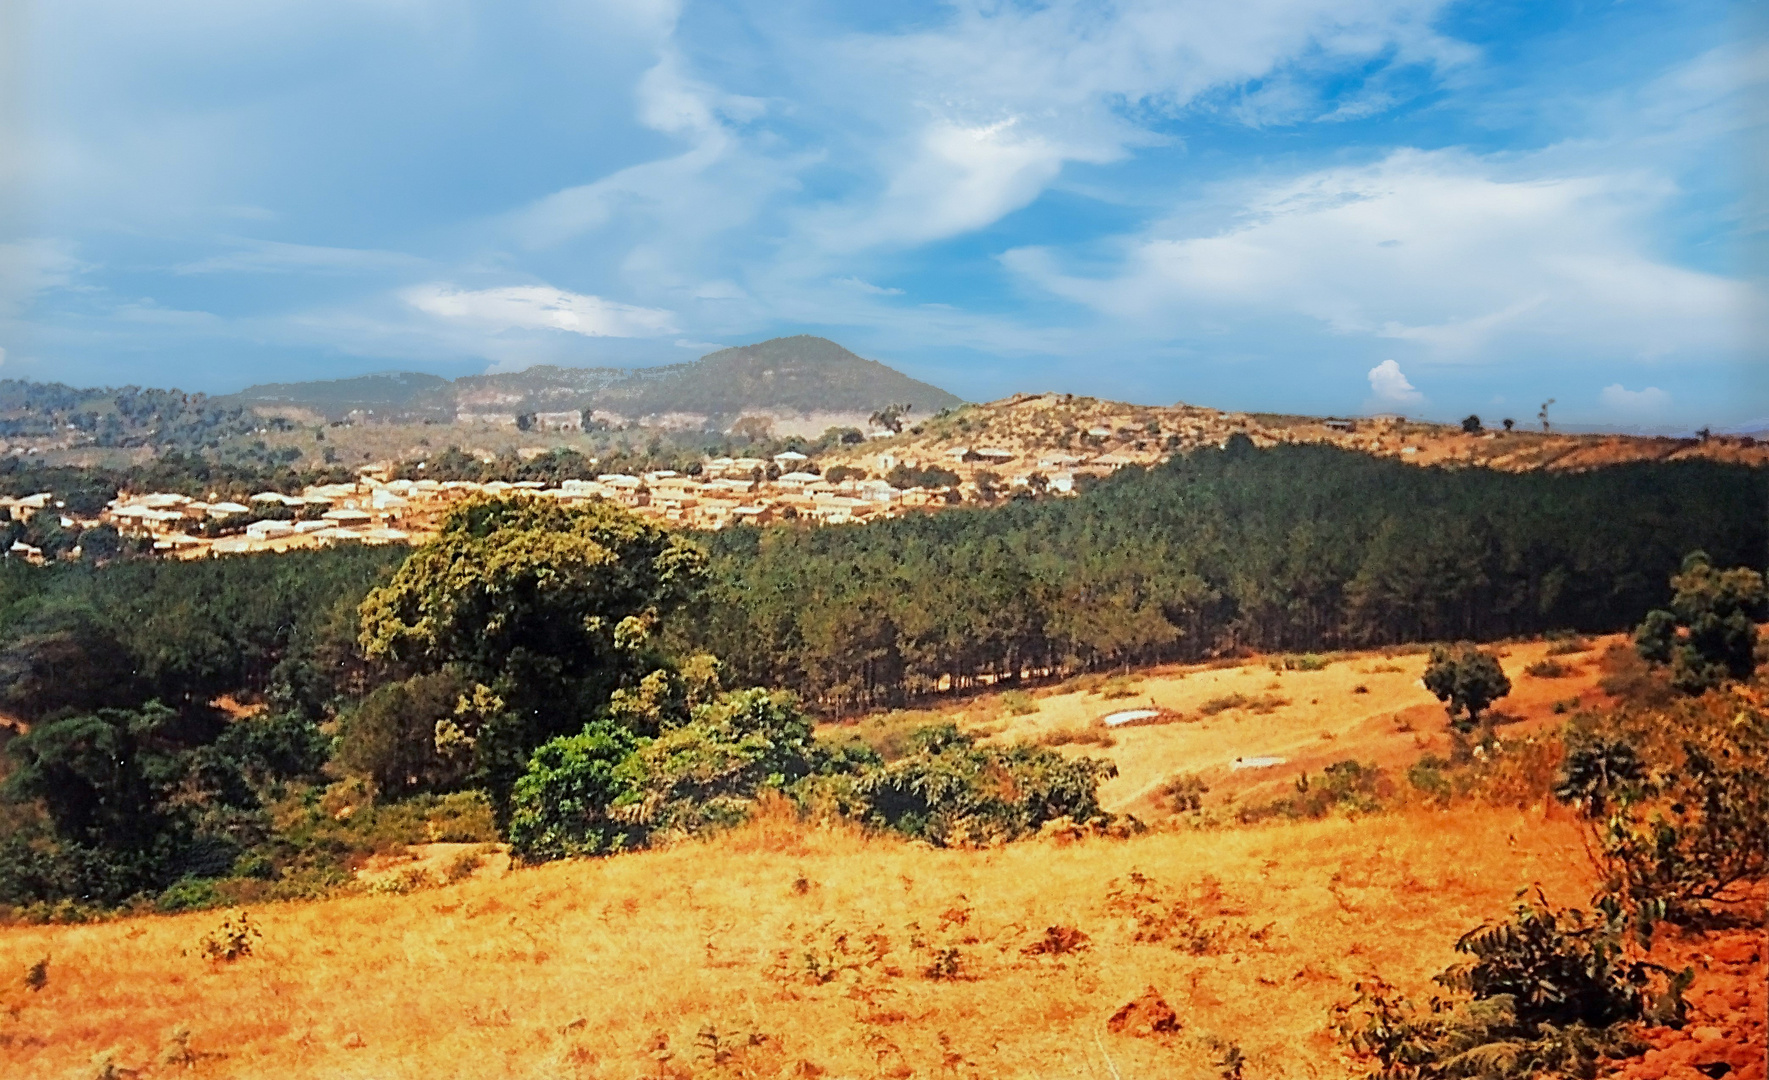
(796, 951)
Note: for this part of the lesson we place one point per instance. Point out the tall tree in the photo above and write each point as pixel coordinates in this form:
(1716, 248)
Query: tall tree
(543, 611)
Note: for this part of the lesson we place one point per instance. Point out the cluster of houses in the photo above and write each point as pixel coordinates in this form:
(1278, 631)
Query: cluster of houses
(724, 492)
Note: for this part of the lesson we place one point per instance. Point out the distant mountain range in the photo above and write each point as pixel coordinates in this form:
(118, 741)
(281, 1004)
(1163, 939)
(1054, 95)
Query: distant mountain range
(810, 380)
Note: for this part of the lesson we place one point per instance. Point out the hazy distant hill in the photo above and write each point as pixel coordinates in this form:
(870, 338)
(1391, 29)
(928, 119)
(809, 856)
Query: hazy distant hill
(397, 392)
(801, 376)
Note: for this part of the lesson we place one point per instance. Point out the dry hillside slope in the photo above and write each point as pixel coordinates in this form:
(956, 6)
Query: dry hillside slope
(800, 954)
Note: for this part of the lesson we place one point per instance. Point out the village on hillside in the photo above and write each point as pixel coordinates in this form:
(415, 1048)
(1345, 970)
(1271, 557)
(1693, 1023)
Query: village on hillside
(1045, 445)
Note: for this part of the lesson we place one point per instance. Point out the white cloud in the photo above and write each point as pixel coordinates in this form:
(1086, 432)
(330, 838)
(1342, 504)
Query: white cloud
(1391, 388)
(1465, 257)
(539, 307)
(867, 287)
(146, 311)
(34, 266)
(1635, 404)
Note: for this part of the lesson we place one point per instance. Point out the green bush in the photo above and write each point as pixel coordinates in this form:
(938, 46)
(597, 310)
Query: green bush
(606, 789)
(954, 792)
(1547, 992)
(708, 771)
(1547, 668)
(1468, 680)
(1709, 634)
(391, 737)
(567, 802)
(1347, 786)
(189, 894)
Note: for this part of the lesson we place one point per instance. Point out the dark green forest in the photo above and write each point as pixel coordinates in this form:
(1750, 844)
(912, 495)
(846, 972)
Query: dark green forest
(1292, 548)
(423, 711)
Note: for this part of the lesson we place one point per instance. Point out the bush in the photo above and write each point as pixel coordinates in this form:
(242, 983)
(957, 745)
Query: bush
(1547, 669)
(607, 790)
(1546, 992)
(1184, 793)
(956, 793)
(189, 894)
(1019, 703)
(709, 771)
(1347, 786)
(1260, 705)
(566, 803)
(391, 738)
(1709, 634)
(1468, 680)
(1690, 841)
(1305, 662)
(1077, 736)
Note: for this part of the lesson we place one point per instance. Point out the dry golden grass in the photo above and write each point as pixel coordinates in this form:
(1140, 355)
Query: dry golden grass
(785, 950)
(1325, 717)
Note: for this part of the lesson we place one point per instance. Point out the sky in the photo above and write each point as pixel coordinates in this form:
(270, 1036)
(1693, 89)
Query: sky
(1314, 206)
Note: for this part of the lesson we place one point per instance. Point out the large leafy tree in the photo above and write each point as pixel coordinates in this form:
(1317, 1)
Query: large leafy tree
(542, 611)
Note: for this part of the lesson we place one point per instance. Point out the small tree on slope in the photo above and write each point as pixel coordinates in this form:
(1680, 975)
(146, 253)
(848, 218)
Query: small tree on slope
(1468, 680)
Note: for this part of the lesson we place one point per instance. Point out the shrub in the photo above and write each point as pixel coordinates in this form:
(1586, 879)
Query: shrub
(1260, 705)
(566, 803)
(1709, 633)
(1077, 736)
(1547, 669)
(1596, 771)
(606, 789)
(1468, 680)
(230, 941)
(1305, 662)
(1184, 792)
(1546, 992)
(955, 793)
(391, 738)
(1120, 686)
(1019, 703)
(1344, 785)
(709, 771)
(1694, 845)
(188, 894)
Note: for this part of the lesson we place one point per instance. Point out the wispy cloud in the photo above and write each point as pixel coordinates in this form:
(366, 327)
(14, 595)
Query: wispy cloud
(1451, 251)
(270, 257)
(539, 307)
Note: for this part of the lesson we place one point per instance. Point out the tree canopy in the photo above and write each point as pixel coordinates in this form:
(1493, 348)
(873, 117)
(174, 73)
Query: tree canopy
(542, 611)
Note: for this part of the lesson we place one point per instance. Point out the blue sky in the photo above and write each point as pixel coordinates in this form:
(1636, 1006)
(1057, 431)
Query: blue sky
(1289, 205)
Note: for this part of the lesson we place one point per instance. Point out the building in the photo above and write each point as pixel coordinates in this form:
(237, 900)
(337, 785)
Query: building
(559, 421)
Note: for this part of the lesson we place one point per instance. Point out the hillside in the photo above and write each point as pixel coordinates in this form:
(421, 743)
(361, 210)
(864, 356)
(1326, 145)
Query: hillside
(1053, 433)
(791, 953)
(803, 378)
(394, 393)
